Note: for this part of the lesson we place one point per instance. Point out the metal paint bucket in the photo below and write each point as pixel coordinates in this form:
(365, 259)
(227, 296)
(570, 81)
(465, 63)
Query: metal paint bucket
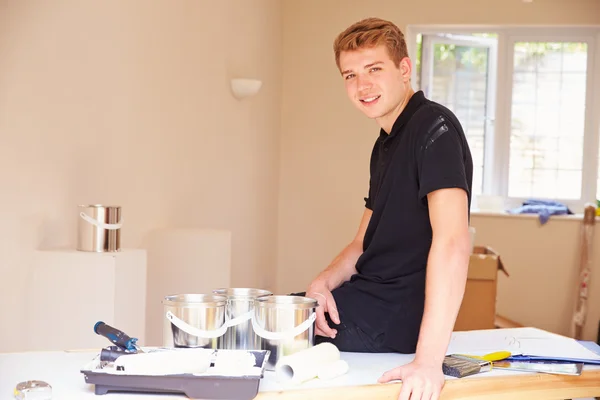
(240, 307)
(285, 323)
(99, 228)
(194, 320)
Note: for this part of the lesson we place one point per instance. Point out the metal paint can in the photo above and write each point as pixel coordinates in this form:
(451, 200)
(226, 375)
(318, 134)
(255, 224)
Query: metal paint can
(33, 390)
(240, 308)
(285, 323)
(194, 320)
(99, 228)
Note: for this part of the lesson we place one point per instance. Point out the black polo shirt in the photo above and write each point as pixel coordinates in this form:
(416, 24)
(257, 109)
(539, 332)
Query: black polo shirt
(425, 151)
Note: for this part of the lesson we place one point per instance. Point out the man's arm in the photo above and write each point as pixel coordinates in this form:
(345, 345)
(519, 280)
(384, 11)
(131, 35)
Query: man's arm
(344, 265)
(444, 168)
(447, 268)
(339, 271)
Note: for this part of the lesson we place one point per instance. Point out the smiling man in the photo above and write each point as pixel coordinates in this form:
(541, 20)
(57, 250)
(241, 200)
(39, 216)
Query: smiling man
(398, 286)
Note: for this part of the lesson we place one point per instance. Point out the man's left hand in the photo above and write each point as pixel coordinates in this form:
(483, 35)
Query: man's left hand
(420, 381)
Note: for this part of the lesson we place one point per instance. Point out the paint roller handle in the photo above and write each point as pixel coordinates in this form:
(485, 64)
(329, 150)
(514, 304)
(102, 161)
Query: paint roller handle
(116, 336)
(111, 353)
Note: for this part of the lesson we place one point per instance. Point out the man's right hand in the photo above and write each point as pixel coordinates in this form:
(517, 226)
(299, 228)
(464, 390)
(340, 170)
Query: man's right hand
(322, 294)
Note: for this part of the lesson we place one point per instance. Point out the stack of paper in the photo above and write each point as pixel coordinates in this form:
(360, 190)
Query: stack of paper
(520, 341)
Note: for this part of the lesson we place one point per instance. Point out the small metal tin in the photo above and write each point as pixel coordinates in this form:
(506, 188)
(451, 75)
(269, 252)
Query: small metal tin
(33, 390)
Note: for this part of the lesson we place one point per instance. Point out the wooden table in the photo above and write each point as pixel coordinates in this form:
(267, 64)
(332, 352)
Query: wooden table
(62, 370)
(365, 369)
(531, 387)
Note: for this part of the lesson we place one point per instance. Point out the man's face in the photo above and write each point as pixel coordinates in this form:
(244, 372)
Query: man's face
(373, 82)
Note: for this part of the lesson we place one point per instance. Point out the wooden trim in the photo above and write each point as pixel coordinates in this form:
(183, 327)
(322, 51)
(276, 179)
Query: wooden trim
(514, 387)
(503, 322)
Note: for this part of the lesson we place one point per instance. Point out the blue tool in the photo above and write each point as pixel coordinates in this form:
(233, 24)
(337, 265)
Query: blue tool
(117, 337)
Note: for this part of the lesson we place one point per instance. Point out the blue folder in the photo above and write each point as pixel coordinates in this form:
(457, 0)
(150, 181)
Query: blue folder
(593, 347)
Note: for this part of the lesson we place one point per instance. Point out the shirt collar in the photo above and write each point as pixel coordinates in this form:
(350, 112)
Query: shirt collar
(416, 100)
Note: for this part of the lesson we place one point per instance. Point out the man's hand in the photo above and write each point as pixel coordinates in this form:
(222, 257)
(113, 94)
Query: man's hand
(420, 381)
(322, 294)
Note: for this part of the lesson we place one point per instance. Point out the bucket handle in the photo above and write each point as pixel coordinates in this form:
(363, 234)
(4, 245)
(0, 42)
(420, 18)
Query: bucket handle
(241, 319)
(290, 333)
(191, 330)
(100, 224)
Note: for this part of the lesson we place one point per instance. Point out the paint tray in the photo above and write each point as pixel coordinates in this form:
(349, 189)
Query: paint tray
(207, 385)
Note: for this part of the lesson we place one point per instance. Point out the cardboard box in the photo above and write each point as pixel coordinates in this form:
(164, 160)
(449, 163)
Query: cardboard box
(478, 309)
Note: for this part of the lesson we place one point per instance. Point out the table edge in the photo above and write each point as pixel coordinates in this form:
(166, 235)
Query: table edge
(529, 386)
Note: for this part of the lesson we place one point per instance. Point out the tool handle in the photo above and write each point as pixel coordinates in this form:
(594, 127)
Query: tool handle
(116, 336)
(111, 353)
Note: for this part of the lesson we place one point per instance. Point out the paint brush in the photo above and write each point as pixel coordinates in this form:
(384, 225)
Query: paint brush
(460, 366)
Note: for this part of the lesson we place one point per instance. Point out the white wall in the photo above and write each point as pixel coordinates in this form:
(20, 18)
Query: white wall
(543, 262)
(128, 103)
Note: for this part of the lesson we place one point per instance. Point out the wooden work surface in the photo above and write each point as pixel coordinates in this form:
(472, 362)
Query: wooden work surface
(62, 370)
(530, 387)
(361, 380)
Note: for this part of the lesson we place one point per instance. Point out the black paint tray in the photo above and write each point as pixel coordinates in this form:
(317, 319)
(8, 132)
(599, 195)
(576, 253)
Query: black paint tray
(201, 386)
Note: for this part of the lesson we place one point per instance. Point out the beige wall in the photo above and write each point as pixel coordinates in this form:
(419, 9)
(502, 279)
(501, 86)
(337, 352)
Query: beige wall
(326, 143)
(128, 102)
(543, 264)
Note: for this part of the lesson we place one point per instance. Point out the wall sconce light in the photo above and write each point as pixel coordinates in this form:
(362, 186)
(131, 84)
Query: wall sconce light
(242, 87)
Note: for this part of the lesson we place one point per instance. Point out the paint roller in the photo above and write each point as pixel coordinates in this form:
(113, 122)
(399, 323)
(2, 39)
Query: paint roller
(170, 362)
(322, 361)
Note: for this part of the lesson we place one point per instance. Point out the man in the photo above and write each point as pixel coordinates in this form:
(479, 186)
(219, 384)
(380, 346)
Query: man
(398, 286)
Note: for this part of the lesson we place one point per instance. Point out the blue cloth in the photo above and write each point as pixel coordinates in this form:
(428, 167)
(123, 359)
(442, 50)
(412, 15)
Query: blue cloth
(544, 208)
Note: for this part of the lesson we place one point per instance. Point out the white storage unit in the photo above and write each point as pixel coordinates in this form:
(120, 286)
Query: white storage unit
(69, 291)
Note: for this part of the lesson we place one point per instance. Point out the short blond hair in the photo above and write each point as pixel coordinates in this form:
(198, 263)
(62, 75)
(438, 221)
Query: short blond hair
(372, 32)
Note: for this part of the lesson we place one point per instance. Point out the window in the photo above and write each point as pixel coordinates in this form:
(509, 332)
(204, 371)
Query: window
(459, 73)
(547, 119)
(524, 98)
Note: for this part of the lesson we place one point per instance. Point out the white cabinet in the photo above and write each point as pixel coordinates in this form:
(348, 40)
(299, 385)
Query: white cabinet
(70, 291)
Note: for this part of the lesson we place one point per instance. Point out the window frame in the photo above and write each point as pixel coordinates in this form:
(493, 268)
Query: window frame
(496, 154)
(427, 49)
